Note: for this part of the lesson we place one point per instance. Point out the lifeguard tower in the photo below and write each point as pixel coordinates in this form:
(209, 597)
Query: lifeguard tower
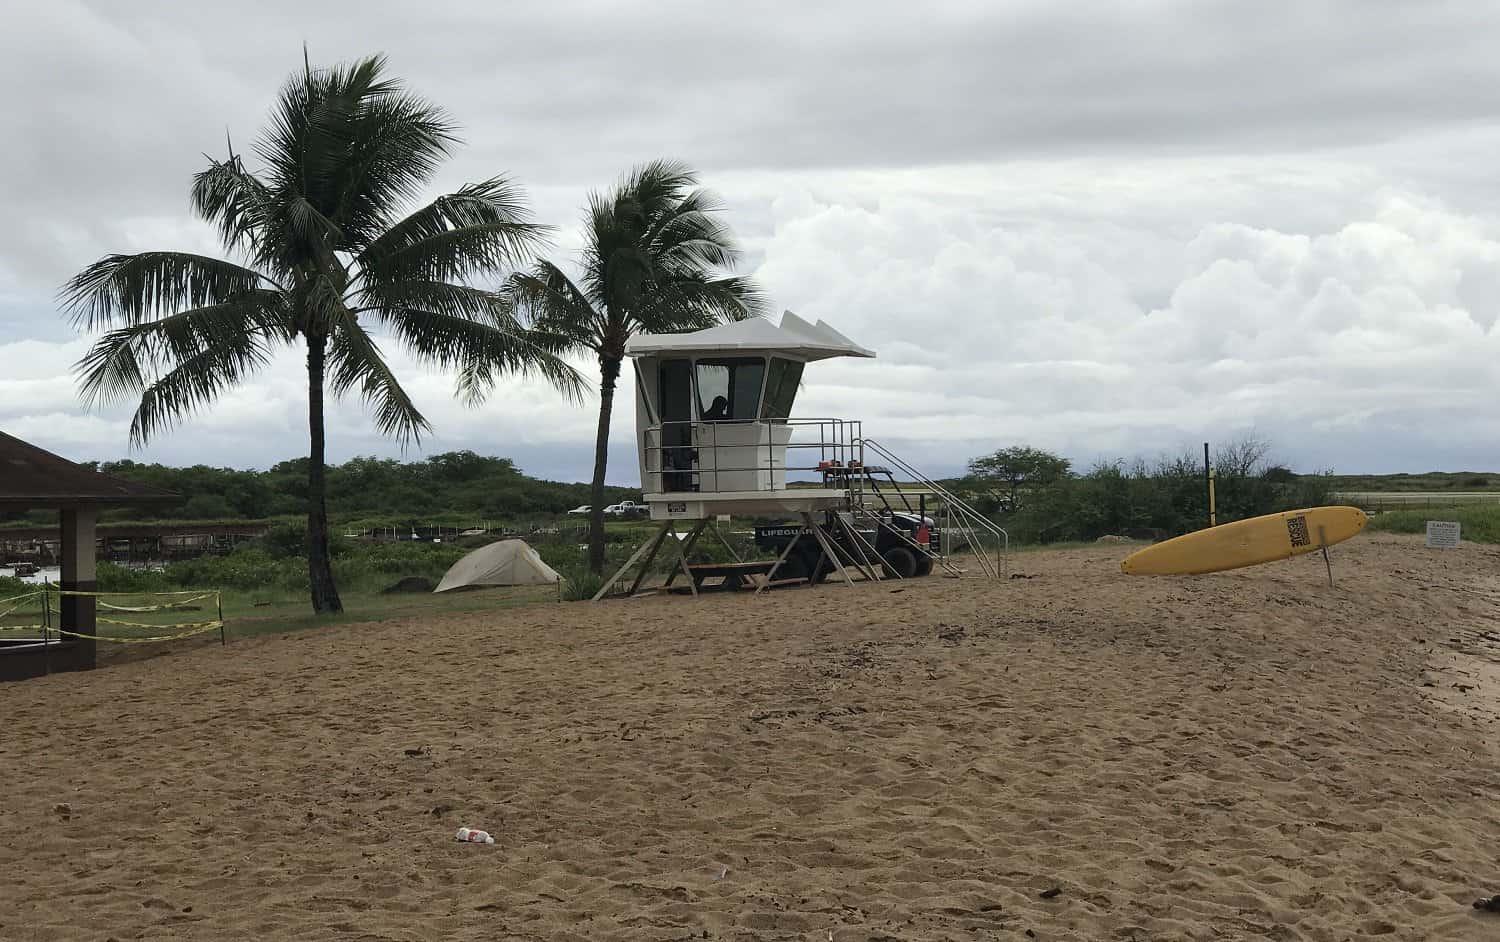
(716, 436)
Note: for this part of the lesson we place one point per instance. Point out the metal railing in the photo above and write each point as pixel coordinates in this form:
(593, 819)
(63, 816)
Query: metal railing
(726, 456)
(765, 454)
(960, 520)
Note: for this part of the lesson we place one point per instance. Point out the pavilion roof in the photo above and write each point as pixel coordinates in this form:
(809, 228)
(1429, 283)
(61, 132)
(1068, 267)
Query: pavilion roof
(33, 477)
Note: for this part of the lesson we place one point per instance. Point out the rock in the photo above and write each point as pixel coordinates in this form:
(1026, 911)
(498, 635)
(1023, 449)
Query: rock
(1112, 538)
(410, 584)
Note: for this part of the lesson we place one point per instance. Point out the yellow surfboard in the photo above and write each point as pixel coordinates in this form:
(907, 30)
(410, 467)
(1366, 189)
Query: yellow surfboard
(1248, 542)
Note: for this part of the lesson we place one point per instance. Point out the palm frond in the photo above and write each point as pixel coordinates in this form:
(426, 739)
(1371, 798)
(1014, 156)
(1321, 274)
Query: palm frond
(552, 304)
(118, 364)
(496, 226)
(133, 288)
(484, 348)
(658, 254)
(394, 147)
(657, 185)
(441, 296)
(231, 197)
(195, 382)
(695, 303)
(457, 254)
(691, 237)
(356, 360)
(354, 145)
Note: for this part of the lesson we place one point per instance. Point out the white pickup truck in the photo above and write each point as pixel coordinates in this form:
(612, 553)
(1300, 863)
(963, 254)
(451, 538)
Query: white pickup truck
(626, 508)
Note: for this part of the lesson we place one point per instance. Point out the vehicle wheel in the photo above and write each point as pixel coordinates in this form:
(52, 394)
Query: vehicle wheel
(900, 561)
(924, 565)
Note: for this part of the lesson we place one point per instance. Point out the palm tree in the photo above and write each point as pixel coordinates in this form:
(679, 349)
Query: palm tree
(653, 262)
(324, 254)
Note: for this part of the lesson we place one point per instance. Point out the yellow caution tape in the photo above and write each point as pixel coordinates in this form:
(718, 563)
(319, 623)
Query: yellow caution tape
(58, 591)
(198, 628)
(16, 608)
(138, 624)
(21, 598)
(180, 599)
(156, 608)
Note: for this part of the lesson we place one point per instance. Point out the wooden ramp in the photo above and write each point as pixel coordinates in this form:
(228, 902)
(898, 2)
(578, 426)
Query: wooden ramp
(729, 577)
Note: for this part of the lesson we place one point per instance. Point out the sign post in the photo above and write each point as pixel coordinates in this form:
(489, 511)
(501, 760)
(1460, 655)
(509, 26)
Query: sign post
(1442, 534)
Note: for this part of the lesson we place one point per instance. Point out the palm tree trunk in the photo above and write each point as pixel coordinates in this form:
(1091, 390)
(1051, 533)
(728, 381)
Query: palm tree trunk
(325, 595)
(609, 370)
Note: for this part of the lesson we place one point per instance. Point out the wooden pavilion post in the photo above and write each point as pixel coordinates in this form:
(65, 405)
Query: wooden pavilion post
(78, 575)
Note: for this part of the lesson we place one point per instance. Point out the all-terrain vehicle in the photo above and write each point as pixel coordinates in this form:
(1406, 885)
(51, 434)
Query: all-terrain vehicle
(907, 543)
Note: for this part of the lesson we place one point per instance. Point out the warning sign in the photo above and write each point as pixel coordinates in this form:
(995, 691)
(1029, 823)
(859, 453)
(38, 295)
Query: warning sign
(1442, 534)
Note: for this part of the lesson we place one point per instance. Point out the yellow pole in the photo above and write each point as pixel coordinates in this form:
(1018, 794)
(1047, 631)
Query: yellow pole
(1213, 511)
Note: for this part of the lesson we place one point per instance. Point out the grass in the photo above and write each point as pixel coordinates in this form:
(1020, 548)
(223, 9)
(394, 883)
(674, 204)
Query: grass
(1429, 481)
(247, 614)
(1480, 523)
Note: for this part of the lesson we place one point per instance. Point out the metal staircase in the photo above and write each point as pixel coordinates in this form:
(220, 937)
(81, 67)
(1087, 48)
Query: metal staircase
(961, 526)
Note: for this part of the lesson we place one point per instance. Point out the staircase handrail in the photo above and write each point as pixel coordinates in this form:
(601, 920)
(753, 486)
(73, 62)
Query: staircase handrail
(974, 516)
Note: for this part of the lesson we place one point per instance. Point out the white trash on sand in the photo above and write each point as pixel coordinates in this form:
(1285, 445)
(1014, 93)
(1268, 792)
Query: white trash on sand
(474, 836)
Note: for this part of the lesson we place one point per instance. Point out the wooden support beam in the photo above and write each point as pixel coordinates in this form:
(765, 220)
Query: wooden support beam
(822, 538)
(655, 542)
(76, 612)
(685, 547)
(771, 576)
(1323, 542)
(604, 589)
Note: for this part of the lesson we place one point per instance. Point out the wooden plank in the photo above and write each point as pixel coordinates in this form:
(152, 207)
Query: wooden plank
(724, 569)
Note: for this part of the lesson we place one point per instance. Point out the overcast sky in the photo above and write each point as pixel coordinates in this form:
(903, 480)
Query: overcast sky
(1105, 229)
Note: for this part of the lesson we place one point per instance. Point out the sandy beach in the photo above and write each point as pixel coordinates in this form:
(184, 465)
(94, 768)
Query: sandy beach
(1075, 754)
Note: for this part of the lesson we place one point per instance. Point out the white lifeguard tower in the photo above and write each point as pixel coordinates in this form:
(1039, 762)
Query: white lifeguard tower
(715, 436)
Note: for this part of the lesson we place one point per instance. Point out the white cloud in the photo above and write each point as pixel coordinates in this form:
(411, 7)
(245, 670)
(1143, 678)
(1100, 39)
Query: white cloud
(1028, 330)
(1098, 228)
(1050, 319)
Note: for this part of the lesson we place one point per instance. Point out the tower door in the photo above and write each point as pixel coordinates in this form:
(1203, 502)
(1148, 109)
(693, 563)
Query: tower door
(678, 456)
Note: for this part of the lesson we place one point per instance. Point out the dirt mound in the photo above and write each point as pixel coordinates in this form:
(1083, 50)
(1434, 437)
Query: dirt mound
(410, 584)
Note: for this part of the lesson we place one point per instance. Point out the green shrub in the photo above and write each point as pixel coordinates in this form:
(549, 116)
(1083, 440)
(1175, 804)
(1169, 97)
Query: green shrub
(113, 578)
(1479, 523)
(580, 585)
(1168, 496)
(289, 539)
(11, 586)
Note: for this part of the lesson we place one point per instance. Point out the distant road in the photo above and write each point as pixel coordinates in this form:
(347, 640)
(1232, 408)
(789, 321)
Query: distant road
(1422, 498)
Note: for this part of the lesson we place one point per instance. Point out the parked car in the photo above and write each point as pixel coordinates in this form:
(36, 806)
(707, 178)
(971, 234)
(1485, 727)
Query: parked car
(626, 508)
(582, 511)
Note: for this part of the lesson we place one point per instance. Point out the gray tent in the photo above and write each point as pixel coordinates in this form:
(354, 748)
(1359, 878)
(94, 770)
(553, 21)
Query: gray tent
(507, 562)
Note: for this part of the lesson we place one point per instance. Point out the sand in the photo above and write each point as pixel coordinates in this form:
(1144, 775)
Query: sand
(1074, 755)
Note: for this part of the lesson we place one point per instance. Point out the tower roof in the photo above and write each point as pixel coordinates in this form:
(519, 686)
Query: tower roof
(794, 337)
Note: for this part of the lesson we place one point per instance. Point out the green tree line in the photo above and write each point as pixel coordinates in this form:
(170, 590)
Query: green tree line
(456, 485)
(1039, 498)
